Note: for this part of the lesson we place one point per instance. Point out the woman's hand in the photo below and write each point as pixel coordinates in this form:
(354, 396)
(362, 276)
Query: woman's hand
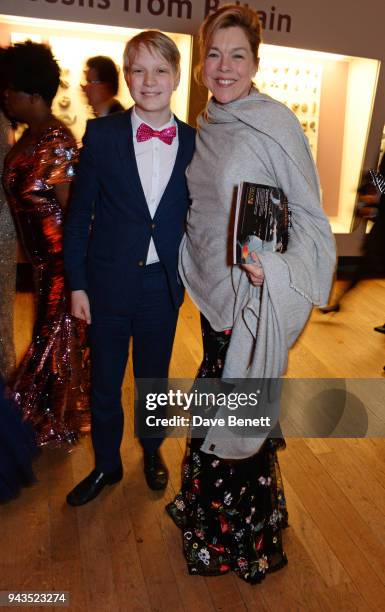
(254, 271)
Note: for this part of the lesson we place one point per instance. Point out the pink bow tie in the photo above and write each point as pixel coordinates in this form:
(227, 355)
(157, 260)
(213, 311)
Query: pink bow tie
(145, 132)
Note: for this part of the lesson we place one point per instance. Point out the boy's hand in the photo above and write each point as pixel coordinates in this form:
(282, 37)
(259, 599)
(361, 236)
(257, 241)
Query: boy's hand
(80, 305)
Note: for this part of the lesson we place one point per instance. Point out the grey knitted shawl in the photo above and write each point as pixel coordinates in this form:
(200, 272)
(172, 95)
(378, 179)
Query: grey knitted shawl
(265, 322)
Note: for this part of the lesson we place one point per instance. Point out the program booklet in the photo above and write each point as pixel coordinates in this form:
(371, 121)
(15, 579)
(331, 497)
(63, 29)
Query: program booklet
(261, 221)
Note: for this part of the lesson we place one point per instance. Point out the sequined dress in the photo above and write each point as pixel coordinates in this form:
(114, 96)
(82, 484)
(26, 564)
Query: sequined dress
(7, 267)
(52, 382)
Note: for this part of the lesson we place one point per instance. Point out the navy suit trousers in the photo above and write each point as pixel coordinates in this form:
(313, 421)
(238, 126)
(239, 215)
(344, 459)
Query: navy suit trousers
(152, 329)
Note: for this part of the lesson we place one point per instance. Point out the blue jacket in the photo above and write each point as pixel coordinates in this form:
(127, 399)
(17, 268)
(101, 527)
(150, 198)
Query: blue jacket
(108, 226)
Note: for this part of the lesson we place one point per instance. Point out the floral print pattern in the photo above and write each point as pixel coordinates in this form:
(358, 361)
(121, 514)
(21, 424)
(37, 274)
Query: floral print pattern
(231, 513)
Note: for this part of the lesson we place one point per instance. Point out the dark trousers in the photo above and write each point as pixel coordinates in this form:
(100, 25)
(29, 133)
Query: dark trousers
(152, 329)
(372, 262)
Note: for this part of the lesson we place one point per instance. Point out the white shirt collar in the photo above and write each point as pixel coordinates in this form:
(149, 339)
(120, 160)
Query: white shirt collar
(136, 121)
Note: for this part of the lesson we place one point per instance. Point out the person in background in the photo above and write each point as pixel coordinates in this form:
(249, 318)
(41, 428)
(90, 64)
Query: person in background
(8, 251)
(51, 383)
(131, 189)
(231, 508)
(101, 85)
(381, 224)
(372, 262)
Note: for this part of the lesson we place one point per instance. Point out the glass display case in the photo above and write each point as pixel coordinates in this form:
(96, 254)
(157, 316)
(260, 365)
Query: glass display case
(332, 96)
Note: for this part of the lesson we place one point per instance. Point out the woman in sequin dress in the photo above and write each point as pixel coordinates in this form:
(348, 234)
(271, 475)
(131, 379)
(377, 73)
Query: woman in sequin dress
(51, 384)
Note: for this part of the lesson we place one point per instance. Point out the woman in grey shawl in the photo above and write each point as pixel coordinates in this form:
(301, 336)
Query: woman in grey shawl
(231, 507)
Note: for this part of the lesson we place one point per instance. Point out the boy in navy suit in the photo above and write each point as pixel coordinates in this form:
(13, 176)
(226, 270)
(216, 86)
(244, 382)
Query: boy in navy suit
(122, 235)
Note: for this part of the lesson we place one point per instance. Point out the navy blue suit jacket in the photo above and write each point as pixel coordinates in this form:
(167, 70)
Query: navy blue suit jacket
(108, 226)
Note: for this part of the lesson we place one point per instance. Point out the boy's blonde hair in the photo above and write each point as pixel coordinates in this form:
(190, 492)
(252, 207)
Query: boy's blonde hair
(153, 40)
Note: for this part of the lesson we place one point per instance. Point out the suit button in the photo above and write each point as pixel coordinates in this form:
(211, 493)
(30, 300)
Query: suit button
(141, 263)
(153, 225)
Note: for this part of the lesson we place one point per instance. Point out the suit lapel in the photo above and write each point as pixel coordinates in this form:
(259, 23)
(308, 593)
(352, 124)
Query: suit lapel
(177, 169)
(130, 173)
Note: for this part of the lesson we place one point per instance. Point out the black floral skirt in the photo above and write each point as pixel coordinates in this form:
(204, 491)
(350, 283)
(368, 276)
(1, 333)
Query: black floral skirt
(231, 513)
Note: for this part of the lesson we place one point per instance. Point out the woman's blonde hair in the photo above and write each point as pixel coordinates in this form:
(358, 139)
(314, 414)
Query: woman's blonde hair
(153, 40)
(228, 16)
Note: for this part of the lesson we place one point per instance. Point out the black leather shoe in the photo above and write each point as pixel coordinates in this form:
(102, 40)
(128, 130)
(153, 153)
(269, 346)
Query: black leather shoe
(155, 471)
(331, 308)
(380, 328)
(91, 486)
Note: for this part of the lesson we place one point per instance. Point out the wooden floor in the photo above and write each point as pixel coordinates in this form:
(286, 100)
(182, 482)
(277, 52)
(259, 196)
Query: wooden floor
(122, 552)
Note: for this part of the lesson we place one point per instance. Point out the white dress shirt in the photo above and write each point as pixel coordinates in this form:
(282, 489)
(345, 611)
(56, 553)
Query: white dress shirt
(155, 161)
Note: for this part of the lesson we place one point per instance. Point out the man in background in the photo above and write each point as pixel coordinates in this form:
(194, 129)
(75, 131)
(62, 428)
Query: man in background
(101, 85)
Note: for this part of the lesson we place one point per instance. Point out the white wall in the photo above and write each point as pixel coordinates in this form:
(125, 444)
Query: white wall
(360, 92)
(343, 26)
